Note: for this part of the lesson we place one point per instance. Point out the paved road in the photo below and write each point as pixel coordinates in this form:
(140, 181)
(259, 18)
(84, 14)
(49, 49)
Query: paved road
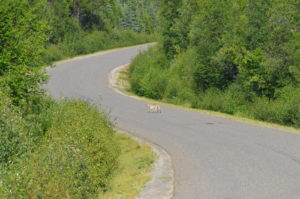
(213, 157)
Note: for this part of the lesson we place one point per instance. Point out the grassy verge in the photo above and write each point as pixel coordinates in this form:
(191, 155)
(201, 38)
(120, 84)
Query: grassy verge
(135, 165)
(123, 80)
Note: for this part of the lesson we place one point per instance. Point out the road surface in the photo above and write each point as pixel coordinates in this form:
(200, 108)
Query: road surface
(213, 157)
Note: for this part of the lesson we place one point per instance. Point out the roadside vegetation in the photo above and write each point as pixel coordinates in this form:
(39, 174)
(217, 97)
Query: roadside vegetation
(71, 154)
(236, 57)
(135, 164)
(66, 148)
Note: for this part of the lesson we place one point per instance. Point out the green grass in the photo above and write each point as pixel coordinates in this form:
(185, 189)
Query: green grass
(123, 79)
(135, 166)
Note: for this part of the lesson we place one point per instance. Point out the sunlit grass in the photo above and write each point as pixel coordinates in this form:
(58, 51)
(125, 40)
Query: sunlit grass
(135, 166)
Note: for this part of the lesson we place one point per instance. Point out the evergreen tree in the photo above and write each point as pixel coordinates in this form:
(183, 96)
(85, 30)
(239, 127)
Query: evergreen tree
(169, 13)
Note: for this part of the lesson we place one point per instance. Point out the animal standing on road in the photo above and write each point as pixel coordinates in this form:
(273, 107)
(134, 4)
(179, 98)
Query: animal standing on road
(153, 108)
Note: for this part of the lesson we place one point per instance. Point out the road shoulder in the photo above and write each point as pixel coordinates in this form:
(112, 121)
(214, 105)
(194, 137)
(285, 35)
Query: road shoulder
(161, 184)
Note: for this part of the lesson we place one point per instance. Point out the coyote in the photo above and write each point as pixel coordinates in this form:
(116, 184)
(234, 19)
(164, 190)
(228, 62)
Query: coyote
(153, 108)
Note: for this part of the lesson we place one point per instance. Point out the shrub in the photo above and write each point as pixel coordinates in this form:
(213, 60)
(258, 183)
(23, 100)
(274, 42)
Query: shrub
(75, 158)
(53, 53)
(285, 109)
(148, 76)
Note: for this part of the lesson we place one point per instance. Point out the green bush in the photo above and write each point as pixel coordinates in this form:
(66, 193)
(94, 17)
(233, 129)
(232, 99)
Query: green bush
(147, 77)
(53, 53)
(74, 159)
(285, 109)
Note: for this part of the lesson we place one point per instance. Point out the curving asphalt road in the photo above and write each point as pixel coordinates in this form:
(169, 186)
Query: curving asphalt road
(213, 157)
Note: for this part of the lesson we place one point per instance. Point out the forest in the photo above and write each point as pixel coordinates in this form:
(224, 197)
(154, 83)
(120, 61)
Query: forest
(240, 57)
(41, 155)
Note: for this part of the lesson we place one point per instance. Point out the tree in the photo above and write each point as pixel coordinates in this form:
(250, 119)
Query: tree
(169, 13)
(22, 38)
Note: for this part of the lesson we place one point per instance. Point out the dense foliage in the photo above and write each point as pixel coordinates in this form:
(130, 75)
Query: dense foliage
(230, 55)
(64, 149)
(22, 38)
(73, 159)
